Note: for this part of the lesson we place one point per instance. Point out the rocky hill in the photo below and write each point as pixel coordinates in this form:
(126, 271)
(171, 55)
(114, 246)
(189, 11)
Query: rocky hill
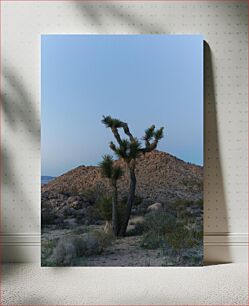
(161, 177)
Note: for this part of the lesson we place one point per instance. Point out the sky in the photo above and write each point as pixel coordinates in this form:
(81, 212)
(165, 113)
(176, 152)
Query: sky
(140, 79)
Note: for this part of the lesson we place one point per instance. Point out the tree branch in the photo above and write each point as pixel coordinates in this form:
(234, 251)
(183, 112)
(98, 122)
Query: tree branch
(127, 131)
(116, 135)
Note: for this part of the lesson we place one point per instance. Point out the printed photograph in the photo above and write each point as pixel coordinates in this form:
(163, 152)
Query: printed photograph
(121, 150)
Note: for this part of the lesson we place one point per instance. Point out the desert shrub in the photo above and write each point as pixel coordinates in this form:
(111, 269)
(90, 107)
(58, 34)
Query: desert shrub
(94, 194)
(47, 218)
(80, 218)
(156, 226)
(47, 247)
(182, 203)
(104, 239)
(184, 246)
(67, 250)
(64, 253)
(79, 230)
(92, 215)
(180, 238)
(67, 211)
(159, 222)
(89, 215)
(137, 230)
(105, 208)
(151, 241)
(199, 203)
(197, 234)
(87, 245)
(186, 217)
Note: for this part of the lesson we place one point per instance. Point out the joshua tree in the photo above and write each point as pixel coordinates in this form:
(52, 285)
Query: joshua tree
(113, 173)
(129, 150)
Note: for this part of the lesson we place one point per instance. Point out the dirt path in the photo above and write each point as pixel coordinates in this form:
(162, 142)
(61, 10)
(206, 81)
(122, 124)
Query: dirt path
(127, 252)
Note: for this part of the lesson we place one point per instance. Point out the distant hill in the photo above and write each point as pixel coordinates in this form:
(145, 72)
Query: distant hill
(160, 177)
(45, 179)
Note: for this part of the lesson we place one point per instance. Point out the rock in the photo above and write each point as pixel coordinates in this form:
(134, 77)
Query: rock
(73, 199)
(142, 208)
(154, 207)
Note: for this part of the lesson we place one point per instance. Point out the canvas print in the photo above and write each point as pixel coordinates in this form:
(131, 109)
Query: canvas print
(122, 150)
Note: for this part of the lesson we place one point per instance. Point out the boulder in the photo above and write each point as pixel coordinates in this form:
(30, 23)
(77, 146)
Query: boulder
(155, 207)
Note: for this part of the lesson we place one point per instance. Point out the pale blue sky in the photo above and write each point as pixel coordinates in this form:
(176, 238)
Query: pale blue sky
(140, 79)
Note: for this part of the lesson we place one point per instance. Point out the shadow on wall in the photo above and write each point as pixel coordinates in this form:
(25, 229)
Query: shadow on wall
(20, 117)
(214, 193)
(18, 107)
(94, 14)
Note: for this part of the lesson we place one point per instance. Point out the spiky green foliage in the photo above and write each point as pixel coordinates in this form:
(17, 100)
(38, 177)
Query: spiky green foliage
(113, 147)
(127, 149)
(111, 122)
(131, 148)
(117, 172)
(105, 208)
(106, 166)
(151, 138)
(159, 133)
(134, 148)
(149, 133)
(109, 170)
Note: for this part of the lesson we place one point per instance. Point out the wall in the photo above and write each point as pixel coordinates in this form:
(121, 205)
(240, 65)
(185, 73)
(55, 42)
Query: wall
(224, 26)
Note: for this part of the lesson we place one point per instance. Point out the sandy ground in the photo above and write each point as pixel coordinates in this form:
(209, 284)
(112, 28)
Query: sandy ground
(127, 252)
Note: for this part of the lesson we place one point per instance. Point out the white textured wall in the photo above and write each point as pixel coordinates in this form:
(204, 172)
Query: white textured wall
(224, 26)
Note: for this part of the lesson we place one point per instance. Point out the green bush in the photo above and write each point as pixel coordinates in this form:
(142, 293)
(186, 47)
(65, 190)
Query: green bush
(151, 241)
(104, 239)
(47, 218)
(87, 245)
(80, 230)
(47, 247)
(64, 253)
(197, 234)
(137, 230)
(180, 238)
(95, 194)
(159, 223)
(105, 210)
(185, 217)
(179, 204)
(156, 226)
(184, 247)
(199, 203)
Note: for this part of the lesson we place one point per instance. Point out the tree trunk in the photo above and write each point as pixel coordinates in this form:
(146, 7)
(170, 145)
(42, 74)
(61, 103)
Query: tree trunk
(114, 209)
(130, 200)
